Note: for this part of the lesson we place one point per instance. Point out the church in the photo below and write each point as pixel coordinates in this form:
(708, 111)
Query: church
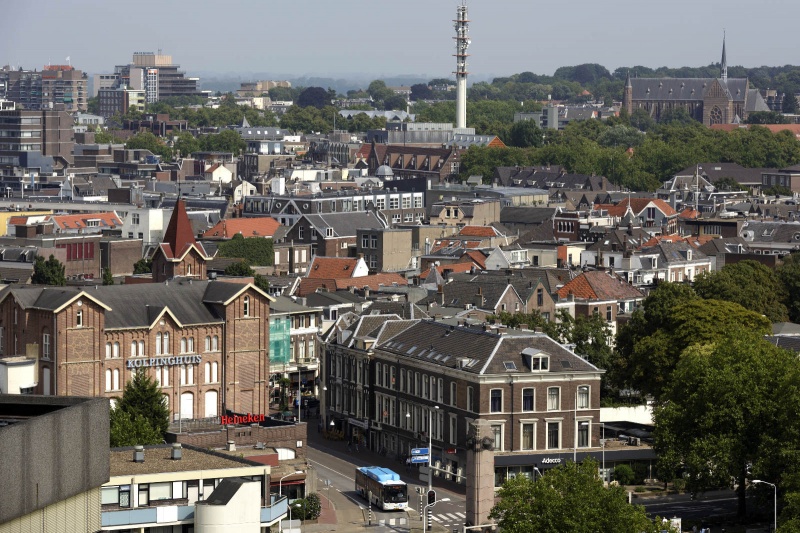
(711, 101)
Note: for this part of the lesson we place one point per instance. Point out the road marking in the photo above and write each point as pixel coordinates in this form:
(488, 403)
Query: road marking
(350, 498)
(334, 471)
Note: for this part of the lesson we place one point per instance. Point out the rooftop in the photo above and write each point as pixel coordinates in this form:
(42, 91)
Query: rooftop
(157, 459)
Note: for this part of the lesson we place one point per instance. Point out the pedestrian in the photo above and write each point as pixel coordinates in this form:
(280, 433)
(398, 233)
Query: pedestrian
(356, 446)
(319, 426)
(408, 465)
(349, 447)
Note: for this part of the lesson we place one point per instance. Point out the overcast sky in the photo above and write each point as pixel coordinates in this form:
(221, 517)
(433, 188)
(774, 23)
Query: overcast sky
(406, 37)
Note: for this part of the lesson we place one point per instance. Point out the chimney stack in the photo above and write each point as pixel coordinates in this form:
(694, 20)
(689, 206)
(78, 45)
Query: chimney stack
(138, 454)
(177, 452)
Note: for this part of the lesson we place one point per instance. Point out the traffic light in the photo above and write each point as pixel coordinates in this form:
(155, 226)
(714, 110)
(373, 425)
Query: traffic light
(431, 496)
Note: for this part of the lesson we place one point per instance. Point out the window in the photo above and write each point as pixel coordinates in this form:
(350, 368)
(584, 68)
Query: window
(583, 397)
(496, 401)
(393, 384)
(46, 345)
(453, 429)
(141, 347)
(440, 391)
(115, 355)
(190, 345)
(208, 344)
(470, 399)
(394, 202)
(166, 342)
(108, 379)
(380, 203)
(497, 431)
(135, 219)
(133, 348)
(608, 313)
(540, 297)
(2, 339)
(528, 436)
(207, 372)
(365, 241)
(183, 344)
(108, 350)
(553, 399)
(215, 343)
(246, 302)
(583, 434)
(453, 393)
(527, 400)
(374, 241)
(78, 318)
(158, 343)
(425, 386)
(300, 232)
(214, 369)
(418, 202)
(553, 435)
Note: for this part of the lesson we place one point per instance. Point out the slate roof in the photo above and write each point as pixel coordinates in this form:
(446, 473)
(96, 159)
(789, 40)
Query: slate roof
(345, 224)
(284, 304)
(600, 285)
(771, 232)
(685, 89)
(675, 252)
(786, 342)
(477, 293)
(443, 345)
(247, 227)
(401, 309)
(325, 298)
(638, 205)
(716, 171)
(731, 245)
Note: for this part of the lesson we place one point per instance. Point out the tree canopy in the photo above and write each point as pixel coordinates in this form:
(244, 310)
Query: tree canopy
(314, 97)
(141, 416)
(570, 498)
(148, 141)
(731, 405)
(49, 272)
(749, 284)
(255, 250)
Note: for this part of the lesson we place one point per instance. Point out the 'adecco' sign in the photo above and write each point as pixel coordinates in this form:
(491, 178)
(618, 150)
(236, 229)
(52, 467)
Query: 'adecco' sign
(165, 361)
(551, 461)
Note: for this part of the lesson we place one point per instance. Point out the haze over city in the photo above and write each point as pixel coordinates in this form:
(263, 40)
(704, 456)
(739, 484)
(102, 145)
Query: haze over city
(414, 37)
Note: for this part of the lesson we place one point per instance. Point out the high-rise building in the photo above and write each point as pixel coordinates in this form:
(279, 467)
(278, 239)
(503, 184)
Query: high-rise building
(55, 84)
(119, 101)
(35, 142)
(152, 73)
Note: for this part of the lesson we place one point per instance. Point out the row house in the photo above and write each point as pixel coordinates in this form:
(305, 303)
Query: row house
(529, 285)
(429, 381)
(395, 206)
(597, 292)
(771, 238)
(333, 234)
(415, 161)
(653, 215)
(293, 349)
(480, 298)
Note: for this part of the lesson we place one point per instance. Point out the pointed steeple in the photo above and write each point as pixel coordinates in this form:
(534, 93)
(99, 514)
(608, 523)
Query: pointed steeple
(179, 235)
(628, 80)
(245, 124)
(724, 63)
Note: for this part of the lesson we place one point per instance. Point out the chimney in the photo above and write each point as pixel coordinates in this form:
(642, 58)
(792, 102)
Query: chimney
(230, 446)
(138, 454)
(177, 452)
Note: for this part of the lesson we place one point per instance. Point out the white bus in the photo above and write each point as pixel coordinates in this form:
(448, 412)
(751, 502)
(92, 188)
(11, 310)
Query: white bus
(383, 486)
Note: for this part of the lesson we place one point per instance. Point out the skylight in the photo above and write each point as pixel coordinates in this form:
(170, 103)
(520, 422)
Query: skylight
(510, 365)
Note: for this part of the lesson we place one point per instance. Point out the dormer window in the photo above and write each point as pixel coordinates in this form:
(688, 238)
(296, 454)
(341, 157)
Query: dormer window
(536, 360)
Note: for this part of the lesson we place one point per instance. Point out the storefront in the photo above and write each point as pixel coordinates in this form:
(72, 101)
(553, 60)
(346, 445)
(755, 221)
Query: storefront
(511, 465)
(357, 432)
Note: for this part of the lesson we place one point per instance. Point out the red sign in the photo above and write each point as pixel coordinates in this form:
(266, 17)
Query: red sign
(451, 451)
(249, 418)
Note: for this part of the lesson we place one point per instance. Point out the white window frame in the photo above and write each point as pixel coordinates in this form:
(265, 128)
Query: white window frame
(491, 400)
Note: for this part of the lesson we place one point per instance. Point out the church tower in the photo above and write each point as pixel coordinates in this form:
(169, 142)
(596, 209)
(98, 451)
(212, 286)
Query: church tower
(180, 255)
(627, 95)
(724, 63)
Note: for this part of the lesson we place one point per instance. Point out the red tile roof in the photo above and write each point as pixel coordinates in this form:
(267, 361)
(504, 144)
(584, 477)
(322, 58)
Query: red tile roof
(179, 236)
(455, 268)
(599, 285)
(247, 227)
(476, 256)
(310, 285)
(332, 267)
(479, 231)
(689, 214)
(80, 221)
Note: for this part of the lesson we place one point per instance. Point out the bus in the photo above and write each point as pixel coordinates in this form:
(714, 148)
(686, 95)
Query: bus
(383, 487)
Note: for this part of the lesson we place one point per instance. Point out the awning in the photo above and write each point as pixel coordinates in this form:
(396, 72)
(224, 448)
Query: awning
(554, 459)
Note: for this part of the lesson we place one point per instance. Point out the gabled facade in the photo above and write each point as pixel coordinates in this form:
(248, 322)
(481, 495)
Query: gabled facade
(180, 255)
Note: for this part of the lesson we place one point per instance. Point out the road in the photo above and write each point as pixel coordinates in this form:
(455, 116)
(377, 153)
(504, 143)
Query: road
(711, 504)
(332, 462)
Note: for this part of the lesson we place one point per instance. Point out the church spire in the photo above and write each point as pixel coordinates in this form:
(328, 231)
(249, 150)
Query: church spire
(628, 79)
(724, 63)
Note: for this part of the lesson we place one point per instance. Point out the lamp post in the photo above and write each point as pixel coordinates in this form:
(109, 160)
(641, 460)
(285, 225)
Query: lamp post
(603, 442)
(430, 460)
(280, 481)
(775, 502)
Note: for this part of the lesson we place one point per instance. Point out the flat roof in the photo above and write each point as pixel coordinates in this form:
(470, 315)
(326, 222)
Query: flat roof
(157, 460)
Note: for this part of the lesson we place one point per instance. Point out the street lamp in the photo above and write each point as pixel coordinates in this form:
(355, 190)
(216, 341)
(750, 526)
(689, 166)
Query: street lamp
(280, 481)
(430, 457)
(603, 442)
(427, 526)
(290, 517)
(775, 502)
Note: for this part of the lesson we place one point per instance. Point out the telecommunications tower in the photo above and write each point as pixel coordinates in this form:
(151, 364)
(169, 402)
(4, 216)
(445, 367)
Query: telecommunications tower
(462, 43)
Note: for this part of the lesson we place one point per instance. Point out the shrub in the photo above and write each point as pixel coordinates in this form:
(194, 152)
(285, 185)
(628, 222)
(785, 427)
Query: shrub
(307, 508)
(624, 474)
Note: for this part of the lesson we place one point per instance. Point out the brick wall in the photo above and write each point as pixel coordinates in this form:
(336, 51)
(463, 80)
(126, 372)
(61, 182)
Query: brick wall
(273, 437)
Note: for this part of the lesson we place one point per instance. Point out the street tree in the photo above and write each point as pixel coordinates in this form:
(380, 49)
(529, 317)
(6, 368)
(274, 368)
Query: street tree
(749, 284)
(570, 498)
(141, 399)
(789, 274)
(647, 355)
(143, 266)
(49, 272)
(729, 412)
(314, 97)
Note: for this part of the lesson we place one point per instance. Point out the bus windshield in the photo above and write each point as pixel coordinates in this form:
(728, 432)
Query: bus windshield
(395, 494)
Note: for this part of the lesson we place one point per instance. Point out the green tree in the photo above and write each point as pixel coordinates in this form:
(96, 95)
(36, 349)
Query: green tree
(789, 275)
(730, 406)
(224, 141)
(141, 398)
(49, 272)
(148, 141)
(650, 346)
(570, 498)
(394, 102)
(624, 474)
(525, 133)
(93, 105)
(108, 279)
(749, 284)
(421, 91)
(143, 266)
(131, 431)
(241, 268)
(104, 137)
(766, 117)
(256, 251)
(185, 144)
(314, 97)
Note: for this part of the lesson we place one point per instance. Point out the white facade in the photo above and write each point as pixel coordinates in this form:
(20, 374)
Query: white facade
(17, 375)
(146, 224)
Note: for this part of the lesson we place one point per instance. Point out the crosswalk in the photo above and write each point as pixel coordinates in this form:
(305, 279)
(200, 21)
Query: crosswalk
(393, 522)
(449, 519)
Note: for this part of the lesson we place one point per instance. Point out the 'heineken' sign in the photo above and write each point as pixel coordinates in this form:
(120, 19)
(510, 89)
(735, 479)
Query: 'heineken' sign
(165, 361)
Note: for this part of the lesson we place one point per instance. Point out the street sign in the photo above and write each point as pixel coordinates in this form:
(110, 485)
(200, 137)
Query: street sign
(415, 459)
(419, 451)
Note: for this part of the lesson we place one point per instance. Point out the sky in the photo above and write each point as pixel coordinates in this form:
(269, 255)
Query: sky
(401, 38)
